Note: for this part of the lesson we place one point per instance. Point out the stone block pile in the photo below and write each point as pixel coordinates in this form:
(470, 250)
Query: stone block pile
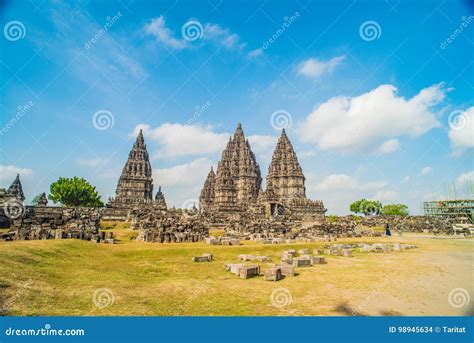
(48, 222)
(160, 226)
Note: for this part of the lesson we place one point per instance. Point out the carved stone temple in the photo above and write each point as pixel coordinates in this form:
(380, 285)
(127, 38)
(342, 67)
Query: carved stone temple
(236, 184)
(135, 185)
(286, 191)
(236, 187)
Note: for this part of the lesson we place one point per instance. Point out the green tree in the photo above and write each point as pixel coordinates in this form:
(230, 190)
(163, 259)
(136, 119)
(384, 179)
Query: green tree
(395, 210)
(367, 207)
(74, 192)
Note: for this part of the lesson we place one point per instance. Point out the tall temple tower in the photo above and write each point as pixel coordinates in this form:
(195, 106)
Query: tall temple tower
(286, 192)
(206, 199)
(285, 177)
(135, 185)
(236, 184)
(16, 189)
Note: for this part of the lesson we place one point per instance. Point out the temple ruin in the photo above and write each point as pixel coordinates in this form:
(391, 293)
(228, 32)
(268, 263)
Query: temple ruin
(236, 187)
(135, 185)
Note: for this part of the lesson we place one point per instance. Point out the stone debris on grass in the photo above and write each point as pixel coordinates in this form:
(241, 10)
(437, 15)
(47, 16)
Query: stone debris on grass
(273, 274)
(205, 257)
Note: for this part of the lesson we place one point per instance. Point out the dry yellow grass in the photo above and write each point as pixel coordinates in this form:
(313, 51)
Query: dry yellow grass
(59, 277)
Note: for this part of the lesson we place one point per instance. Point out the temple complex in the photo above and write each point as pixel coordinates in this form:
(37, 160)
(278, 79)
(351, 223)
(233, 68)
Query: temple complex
(237, 185)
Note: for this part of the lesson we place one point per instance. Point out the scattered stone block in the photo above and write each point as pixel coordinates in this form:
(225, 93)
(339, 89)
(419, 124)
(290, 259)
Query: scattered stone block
(234, 268)
(387, 248)
(304, 251)
(287, 269)
(212, 241)
(302, 262)
(246, 272)
(347, 252)
(262, 258)
(273, 274)
(234, 241)
(246, 257)
(397, 246)
(109, 241)
(318, 251)
(318, 260)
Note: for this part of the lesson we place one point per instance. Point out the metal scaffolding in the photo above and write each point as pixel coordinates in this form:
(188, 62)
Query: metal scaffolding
(458, 211)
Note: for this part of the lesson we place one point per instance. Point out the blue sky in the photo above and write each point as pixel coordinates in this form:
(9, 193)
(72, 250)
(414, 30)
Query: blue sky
(376, 96)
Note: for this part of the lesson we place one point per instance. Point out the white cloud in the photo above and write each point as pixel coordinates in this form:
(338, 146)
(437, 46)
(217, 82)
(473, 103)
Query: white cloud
(406, 179)
(315, 68)
(343, 182)
(222, 36)
(8, 174)
(359, 123)
(426, 170)
(461, 132)
(211, 32)
(184, 175)
(262, 144)
(388, 147)
(157, 28)
(182, 182)
(386, 196)
(177, 140)
(338, 191)
(465, 179)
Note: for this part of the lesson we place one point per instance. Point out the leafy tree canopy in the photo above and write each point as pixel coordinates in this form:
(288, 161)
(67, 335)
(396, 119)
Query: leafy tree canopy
(74, 192)
(395, 210)
(367, 207)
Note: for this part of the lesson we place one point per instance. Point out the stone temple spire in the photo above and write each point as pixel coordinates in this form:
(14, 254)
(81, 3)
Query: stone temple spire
(285, 177)
(238, 178)
(16, 189)
(206, 199)
(135, 185)
(160, 201)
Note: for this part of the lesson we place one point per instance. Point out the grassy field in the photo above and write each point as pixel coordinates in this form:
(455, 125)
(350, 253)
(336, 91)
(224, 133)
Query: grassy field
(59, 277)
